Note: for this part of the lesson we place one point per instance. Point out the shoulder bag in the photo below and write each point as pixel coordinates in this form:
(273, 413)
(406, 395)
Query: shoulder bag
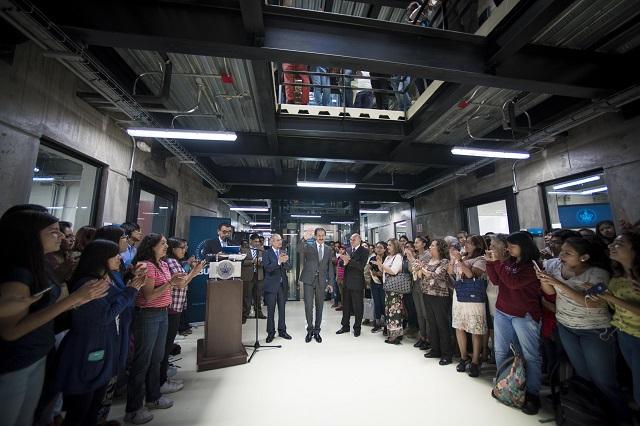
(399, 283)
(471, 290)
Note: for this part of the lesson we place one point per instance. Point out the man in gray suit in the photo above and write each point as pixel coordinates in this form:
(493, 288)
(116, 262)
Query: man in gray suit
(317, 274)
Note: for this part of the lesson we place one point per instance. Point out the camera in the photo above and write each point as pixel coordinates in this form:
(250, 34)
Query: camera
(596, 289)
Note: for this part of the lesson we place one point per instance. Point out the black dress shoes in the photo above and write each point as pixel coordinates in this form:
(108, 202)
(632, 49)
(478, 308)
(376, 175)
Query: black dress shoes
(285, 335)
(342, 331)
(308, 337)
(317, 337)
(261, 315)
(432, 354)
(270, 338)
(418, 343)
(356, 333)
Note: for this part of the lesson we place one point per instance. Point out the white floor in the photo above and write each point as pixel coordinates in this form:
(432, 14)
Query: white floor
(342, 381)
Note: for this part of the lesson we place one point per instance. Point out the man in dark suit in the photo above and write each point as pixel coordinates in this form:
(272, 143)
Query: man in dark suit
(353, 294)
(252, 275)
(317, 274)
(214, 245)
(276, 264)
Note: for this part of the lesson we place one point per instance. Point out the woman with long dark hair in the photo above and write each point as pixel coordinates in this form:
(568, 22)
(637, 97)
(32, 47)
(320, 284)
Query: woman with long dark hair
(469, 317)
(28, 336)
(89, 354)
(606, 232)
(175, 254)
(150, 330)
(518, 310)
(437, 301)
(584, 324)
(624, 296)
(377, 292)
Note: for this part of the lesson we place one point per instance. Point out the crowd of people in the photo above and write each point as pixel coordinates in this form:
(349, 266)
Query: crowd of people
(352, 88)
(87, 314)
(577, 300)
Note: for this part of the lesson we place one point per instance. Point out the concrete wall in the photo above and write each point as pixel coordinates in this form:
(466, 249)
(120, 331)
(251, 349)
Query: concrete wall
(385, 223)
(608, 142)
(37, 100)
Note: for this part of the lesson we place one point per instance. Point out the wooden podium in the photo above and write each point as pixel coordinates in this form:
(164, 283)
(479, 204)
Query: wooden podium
(222, 343)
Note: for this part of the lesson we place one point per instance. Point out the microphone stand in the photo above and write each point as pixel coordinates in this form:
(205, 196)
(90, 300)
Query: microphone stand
(256, 345)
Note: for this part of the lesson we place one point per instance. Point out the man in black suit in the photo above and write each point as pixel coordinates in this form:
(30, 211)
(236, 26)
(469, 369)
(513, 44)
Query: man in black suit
(317, 273)
(353, 294)
(252, 276)
(214, 245)
(276, 264)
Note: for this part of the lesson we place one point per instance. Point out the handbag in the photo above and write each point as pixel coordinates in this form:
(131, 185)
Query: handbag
(511, 381)
(471, 290)
(399, 283)
(368, 309)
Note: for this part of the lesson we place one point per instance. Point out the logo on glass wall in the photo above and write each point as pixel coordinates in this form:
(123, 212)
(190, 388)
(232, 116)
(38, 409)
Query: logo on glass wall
(586, 216)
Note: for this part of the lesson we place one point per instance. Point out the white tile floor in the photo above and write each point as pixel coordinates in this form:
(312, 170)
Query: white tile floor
(342, 381)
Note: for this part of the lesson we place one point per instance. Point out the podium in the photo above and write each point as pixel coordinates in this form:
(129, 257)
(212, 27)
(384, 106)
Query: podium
(222, 344)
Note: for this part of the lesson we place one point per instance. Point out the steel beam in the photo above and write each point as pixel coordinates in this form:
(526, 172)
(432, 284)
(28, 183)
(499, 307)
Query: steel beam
(333, 128)
(318, 38)
(283, 193)
(314, 149)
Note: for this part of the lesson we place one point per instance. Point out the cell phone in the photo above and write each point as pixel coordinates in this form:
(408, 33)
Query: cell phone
(596, 289)
(535, 266)
(40, 293)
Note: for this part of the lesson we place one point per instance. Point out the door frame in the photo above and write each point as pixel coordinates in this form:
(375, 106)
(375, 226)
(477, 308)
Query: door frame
(490, 197)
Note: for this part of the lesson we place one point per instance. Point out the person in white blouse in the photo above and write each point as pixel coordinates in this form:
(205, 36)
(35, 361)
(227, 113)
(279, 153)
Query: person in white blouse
(392, 265)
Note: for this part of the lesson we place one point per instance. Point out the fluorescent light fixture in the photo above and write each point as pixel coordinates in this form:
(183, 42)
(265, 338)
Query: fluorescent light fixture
(259, 223)
(149, 132)
(55, 208)
(290, 235)
(564, 193)
(308, 184)
(491, 153)
(314, 216)
(342, 223)
(151, 213)
(261, 230)
(374, 211)
(249, 209)
(163, 207)
(577, 182)
(43, 179)
(594, 190)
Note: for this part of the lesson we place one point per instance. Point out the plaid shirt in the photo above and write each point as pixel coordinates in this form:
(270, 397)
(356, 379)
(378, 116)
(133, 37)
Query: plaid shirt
(178, 295)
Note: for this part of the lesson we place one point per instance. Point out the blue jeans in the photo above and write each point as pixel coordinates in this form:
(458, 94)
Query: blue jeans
(523, 333)
(593, 355)
(400, 83)
(364, 99)
(377, 293)
(321, 92)
(150, 334)
(630, 348)
(19, 392)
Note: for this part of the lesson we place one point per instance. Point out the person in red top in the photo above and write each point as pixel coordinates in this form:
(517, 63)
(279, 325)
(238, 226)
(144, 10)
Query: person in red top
(150, 324)
(518, 310)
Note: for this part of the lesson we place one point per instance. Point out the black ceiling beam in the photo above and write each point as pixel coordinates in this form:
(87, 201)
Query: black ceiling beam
(318, 38)
(252, 19)
(324, 194)
(445, 97)
(264, 97)
(266, 177)
(326, 167)
(340, 128)
(527, 19)
(328, 5)
(314, 149)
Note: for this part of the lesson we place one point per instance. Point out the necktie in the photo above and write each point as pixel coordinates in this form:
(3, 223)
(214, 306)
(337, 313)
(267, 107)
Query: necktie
(253, 255)
(320, 252)
(277, 253)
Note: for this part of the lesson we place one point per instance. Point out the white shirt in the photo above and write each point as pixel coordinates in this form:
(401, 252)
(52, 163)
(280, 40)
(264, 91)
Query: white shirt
(394, 263)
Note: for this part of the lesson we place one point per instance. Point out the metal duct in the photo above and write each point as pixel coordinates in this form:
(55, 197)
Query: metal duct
(30, 21)
(583, 115)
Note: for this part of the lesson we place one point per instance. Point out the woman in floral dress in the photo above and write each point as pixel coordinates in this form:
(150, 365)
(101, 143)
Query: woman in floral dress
(392, 265)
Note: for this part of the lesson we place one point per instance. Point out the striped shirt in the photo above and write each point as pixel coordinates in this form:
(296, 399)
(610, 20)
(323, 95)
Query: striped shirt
(159, 276)
(178, 295)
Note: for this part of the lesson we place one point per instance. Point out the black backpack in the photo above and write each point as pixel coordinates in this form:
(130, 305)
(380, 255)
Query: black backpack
(578, 402)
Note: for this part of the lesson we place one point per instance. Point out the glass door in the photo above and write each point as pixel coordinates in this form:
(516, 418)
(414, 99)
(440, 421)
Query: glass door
(152, 206)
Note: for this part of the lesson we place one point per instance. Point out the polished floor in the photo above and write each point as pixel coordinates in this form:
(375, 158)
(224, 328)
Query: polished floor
(342, 381)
